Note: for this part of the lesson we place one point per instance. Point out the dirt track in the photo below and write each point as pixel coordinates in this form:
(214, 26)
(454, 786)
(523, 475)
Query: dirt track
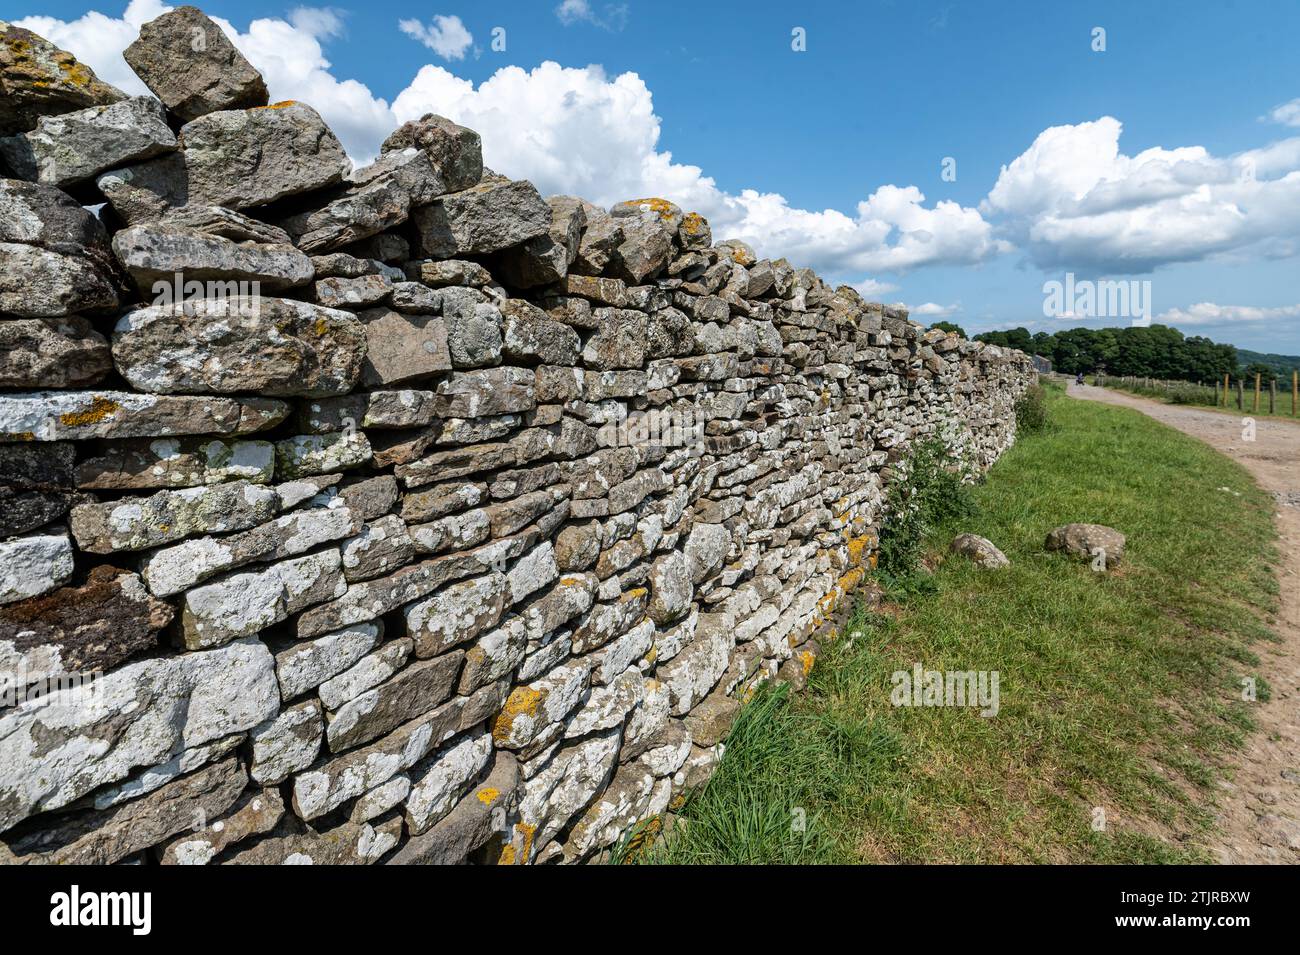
(1259, 819)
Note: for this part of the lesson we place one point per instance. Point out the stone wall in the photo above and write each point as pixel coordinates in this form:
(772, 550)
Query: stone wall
(401, 514)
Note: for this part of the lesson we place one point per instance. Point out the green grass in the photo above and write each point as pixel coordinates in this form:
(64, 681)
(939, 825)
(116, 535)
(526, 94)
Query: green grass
(1118, 690)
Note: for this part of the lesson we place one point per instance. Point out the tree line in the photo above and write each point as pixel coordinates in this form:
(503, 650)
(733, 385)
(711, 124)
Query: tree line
(1155, 351)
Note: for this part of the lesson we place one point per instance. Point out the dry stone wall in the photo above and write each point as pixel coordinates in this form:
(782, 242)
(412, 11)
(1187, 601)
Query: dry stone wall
(401, 514)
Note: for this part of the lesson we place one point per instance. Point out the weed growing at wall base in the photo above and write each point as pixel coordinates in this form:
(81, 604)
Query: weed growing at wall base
(930, 493)
(1031, 411)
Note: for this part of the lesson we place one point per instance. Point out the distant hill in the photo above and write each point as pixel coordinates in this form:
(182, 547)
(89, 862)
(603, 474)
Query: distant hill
(1282, 364)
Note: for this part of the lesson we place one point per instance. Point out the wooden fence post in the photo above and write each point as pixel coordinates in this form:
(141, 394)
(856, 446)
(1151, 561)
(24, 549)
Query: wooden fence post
(1225, 389)
(1272, 396)
(1256, 392)
(1241, 394)
(1295, 391)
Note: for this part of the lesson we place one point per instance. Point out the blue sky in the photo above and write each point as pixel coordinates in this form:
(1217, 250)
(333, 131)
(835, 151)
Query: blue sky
(1173, 156)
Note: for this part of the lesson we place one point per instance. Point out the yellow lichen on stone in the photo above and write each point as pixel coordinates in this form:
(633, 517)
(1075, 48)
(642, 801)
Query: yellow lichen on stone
(661, 207)
(77, 74)
(740, 255)
(693, 223)
(851, 579)
(807, 659)
(100, 408)
(488, 795)
(522, 701)
(508, 856)
(858, 549)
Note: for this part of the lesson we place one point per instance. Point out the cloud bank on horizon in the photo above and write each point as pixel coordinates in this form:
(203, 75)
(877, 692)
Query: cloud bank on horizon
(1071, 200)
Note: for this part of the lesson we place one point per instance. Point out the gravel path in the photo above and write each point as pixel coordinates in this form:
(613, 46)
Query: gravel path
(1259, 819)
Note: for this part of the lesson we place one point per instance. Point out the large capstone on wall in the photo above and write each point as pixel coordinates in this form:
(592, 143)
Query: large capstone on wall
(402, 514)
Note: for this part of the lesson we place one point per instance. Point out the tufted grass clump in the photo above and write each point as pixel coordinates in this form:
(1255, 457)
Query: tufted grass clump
(766, 803)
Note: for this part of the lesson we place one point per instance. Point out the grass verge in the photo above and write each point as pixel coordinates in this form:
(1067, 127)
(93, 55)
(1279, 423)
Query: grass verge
(1120, 693)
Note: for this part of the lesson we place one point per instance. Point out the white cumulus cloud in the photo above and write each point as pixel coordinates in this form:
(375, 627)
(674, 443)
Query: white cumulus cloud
(320, 22)
(444, 35)
(935, 310)
(873, 289)
(580, 131)
(613, 17)
(1208, 313)
(1072, 199)
(571, 11)
(1288, 114)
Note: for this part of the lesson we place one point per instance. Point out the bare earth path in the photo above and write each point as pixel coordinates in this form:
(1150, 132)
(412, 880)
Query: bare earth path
(1259, 819)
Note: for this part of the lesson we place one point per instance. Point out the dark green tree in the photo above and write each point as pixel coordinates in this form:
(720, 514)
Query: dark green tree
(1043, 344)
(1266, 374)
(1156, 351)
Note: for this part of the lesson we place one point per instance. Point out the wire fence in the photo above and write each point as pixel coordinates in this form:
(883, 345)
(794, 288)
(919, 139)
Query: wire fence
(1245, 394)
